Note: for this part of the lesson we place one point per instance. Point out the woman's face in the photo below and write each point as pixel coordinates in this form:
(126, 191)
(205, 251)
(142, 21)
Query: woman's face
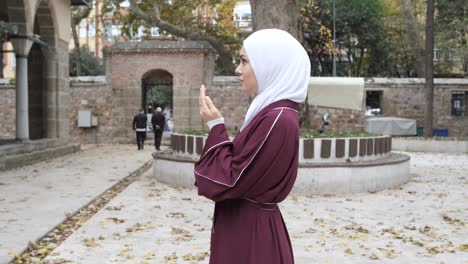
(246, 75)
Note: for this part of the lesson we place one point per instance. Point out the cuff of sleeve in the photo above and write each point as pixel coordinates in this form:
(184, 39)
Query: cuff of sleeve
(215, 122)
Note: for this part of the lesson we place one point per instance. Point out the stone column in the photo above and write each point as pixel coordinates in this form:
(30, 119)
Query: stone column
(22, 47)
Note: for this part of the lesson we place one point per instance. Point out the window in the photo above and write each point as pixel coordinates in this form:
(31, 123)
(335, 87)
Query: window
(436, 54)
(154, 31)
(459, 100)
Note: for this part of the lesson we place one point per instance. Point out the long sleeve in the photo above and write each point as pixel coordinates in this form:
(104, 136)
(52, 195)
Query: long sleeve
(252, 165)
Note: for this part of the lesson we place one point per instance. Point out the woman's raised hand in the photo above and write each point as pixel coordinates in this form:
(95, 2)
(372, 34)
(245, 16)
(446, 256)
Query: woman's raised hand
(207, 109)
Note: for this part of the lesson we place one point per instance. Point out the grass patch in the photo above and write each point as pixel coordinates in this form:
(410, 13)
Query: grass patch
(338, 134)
(304, 134)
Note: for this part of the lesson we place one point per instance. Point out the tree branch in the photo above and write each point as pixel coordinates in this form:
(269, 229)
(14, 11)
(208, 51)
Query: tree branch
(224, 55)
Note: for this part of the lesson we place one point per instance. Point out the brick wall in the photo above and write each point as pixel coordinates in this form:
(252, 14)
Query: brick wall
(230, 101)
(339, 119)
(401, 97)
(7, 111)
(405, 98)
(93, 94)
(186, 61)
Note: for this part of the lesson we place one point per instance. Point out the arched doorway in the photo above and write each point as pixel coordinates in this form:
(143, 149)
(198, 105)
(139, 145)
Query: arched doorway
(37, 97)
(157, 91)
(40, 57)
(184, 64)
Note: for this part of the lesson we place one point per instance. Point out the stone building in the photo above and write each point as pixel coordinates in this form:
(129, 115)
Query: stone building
(39, 31)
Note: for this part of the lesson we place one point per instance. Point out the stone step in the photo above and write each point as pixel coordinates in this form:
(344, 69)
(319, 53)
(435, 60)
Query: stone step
(8, 162)
(20, 147)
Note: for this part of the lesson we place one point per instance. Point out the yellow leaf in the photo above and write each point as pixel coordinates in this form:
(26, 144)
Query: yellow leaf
(149, 255)
(187, 257)
(463, 247)
(89, 242)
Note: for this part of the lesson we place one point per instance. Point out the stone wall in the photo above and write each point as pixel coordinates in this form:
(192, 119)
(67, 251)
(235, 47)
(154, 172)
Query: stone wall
(7, 111)
(339, 119)
(186, 61)
(93, 94)
(401, 97)
(229, 99)
(405, 98)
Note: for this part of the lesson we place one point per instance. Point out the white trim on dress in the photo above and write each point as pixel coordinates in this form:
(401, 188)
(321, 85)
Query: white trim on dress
(242, 171)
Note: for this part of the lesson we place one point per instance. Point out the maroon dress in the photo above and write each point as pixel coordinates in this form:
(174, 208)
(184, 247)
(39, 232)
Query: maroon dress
(246, 178)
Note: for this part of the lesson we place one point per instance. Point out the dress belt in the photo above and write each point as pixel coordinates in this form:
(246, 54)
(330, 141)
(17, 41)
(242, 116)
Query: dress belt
(264, 206)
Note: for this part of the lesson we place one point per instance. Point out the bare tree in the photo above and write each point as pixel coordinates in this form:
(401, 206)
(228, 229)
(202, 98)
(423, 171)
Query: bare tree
(429, 74)
(1, 57)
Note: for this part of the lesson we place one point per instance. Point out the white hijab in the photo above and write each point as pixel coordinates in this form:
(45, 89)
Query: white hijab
(281, 66)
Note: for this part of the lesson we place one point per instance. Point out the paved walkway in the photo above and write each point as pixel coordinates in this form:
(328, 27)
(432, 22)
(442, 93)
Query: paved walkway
(35, 198)
(424, 221)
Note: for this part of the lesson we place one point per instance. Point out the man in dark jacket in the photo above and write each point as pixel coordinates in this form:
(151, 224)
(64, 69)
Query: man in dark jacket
(139, 125)
(158, 120)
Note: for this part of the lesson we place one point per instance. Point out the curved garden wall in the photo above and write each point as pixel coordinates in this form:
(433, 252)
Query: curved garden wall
(317, 150)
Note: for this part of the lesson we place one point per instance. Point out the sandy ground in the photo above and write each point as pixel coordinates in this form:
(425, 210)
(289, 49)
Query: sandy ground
(424, 221)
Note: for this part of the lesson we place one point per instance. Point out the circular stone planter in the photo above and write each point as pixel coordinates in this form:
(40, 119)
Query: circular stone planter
(326, 165)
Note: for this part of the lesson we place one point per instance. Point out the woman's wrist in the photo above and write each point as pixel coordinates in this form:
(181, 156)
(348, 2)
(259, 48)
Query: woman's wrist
(215, 122)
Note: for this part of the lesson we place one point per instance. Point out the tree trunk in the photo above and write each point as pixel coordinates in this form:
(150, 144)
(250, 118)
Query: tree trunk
(358, 71)
(97, 33)
(414, 36)
(285, 15)
(1, 58)
(281, 14)
(76, 51)
(429, 68)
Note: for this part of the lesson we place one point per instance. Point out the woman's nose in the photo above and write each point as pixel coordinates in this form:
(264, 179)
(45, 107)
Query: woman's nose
(237, 71)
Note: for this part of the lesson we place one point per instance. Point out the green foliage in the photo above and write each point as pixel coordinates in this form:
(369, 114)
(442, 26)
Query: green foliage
(90, 64)
(318, 39)
(79, 13)
(304, 134)
(195, 132)
(329, 134)
(451, 38)
(160, 96)
(359, 35)
(203, 132)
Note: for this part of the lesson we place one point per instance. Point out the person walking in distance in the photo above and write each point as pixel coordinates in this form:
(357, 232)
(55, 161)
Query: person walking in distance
(158, 120)
(139, 125)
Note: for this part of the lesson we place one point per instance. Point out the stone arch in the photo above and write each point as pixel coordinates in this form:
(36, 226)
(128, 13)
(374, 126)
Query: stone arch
(18, 13)
(41, 60)
(191, 63)
(161, 81)
(55, 68)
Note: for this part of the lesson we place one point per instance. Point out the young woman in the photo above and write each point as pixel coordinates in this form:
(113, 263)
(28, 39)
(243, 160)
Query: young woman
(249, 176)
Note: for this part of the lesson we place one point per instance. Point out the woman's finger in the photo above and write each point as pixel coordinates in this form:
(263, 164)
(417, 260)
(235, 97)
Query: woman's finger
(210, 104)
(202, 95)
